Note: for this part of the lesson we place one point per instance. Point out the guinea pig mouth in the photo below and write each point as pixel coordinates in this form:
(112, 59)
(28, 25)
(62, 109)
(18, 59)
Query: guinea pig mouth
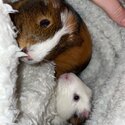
(75, 120)
(80, 118)
(28, 59)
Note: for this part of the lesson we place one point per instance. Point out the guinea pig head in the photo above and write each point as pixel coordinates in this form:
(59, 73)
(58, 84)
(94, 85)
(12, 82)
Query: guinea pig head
(73, 97)
(38, 22)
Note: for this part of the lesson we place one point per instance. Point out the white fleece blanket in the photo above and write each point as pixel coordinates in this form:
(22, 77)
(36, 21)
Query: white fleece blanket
(105, 74)
(9, 53)
(36, 89)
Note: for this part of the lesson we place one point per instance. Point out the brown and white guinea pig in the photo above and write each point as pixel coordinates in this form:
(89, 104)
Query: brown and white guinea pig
(73, 99)
(52, 30)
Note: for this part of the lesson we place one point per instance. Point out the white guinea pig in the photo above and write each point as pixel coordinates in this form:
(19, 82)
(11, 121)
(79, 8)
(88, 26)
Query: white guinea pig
(73, 98)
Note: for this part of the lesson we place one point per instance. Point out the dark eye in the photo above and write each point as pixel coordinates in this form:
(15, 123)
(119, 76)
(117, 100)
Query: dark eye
(76, 97)
(44, 23)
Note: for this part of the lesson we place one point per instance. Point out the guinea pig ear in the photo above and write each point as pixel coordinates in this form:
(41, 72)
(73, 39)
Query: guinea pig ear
(54, 3)
(16, 5)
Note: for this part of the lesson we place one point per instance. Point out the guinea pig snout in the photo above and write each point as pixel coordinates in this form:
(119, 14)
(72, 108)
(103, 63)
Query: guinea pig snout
(28, 57)
(79, 119)
(25, 50)
(84, 115)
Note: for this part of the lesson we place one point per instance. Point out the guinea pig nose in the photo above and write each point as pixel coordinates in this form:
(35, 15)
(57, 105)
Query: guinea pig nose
(85, 114)
(25, 50)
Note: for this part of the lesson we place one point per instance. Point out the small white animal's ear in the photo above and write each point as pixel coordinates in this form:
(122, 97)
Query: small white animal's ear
(54, 3)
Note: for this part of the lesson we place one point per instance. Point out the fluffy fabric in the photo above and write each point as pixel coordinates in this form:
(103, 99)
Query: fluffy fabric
(36, 94)
(9, 53)
(105, 75)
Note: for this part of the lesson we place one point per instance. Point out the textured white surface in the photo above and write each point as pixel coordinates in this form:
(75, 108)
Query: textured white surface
(9, 53)
(36, 89)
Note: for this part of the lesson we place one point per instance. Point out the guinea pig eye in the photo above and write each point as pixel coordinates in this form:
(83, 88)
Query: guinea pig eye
(44, 23)
(76, 97)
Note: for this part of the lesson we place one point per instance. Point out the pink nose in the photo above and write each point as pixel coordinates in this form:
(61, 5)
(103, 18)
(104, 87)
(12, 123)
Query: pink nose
(28, 57)
(85, 114)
